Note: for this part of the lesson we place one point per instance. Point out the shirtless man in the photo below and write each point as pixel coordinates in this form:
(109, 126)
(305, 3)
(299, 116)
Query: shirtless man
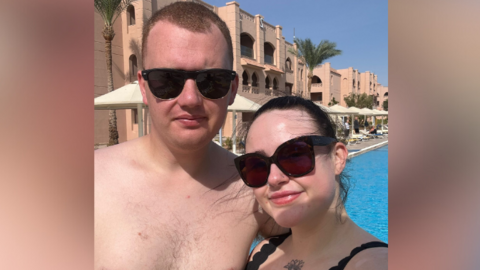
(172, 199)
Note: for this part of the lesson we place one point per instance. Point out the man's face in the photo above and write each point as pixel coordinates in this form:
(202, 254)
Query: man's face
(189, 121)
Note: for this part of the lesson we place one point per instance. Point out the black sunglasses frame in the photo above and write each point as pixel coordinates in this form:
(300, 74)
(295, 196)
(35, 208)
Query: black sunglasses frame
(187, 75)
(311, 142)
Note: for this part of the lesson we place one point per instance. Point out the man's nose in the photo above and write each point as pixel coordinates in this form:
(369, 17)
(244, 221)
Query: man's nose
(190, 96)
(277, 178)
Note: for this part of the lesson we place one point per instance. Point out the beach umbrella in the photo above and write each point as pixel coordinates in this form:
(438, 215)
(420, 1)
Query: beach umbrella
(126, 97)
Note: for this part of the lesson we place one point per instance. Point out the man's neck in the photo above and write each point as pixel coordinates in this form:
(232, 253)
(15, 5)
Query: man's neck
(174, 159)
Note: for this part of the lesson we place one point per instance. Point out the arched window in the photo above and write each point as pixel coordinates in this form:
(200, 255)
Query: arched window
(288, 64)
(316, 79)
(267, 83)
(245, 78)
(254, 80)
(353, 83)
(269, 50)
(275, 85)
(133, 67)
(130, 15)
(386, 94)
(246, 45)
(301, 74)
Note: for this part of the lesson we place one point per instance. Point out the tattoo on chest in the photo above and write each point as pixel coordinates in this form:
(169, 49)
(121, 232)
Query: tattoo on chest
(294, 265)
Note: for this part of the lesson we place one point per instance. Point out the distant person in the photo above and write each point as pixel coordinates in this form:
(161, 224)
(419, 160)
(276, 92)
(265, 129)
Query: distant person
(172, 199)
(356, 125)
(373, 130)
(294, 165)
(347, 128)
(366, 124)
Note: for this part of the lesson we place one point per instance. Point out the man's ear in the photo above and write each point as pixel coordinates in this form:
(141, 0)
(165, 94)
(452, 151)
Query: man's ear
(340, 155)
(233, 94)
(141, 83)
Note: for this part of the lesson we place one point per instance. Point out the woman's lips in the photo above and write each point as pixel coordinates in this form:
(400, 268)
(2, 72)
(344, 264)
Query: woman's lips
(282, 198)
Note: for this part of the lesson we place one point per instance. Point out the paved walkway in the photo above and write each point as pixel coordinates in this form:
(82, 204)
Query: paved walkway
(365, 146)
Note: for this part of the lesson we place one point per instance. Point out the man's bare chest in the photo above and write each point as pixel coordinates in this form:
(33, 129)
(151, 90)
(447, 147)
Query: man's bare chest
(178, 233)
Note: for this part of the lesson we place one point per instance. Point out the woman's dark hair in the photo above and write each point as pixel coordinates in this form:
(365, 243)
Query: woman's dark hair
(325, 127)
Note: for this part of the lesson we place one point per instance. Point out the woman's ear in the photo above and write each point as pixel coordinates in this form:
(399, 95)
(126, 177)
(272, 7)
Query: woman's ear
(340, 154)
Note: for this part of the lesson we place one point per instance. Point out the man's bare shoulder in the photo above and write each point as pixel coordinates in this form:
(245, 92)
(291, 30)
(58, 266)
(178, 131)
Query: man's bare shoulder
(114, 158)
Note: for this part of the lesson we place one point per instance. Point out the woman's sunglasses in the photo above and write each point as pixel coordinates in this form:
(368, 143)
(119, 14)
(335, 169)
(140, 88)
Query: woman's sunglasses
(168, 83)
(294, 158)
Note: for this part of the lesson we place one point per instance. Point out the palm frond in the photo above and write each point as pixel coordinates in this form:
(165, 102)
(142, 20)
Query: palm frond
(312, 54)
(111, 9)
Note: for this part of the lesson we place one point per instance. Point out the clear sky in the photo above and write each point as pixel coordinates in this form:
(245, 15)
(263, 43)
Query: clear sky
(360, 28)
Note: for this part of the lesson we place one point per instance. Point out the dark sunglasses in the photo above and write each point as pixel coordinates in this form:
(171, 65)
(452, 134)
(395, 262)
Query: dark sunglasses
(168, 83)
(294, 158)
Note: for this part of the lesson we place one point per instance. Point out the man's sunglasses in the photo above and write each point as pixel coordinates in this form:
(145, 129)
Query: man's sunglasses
(168, 83)
(294, 158)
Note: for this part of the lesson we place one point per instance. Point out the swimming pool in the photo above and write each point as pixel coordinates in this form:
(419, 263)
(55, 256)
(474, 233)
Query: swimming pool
(367, 203)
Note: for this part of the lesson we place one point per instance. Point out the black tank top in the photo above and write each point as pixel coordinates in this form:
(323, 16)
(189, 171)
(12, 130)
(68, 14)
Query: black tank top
(269, 248)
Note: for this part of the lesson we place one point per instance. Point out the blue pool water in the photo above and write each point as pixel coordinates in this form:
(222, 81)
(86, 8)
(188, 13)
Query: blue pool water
(367, 203)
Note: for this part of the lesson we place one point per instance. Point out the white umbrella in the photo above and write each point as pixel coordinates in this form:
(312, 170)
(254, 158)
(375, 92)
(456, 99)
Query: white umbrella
(125, 97)
(241, 104)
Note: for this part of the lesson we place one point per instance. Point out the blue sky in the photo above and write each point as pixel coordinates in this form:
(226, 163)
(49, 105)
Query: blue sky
(360, 28)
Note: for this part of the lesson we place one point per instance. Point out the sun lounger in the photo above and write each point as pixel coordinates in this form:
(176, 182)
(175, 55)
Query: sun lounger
(371, 135)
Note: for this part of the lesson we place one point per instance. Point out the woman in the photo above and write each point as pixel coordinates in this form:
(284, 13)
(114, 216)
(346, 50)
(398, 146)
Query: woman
(294, 165)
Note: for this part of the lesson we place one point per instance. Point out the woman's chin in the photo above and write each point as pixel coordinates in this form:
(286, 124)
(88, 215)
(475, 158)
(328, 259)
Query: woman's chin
(288, 219)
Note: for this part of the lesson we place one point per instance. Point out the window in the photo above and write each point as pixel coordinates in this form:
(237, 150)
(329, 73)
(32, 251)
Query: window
(275, 85)
(301, 74)
(288, 64)
(246, 45)
(130, 15)
(386, 94)
(269, 50)
(267, 83)
(317, 96)
(133, 67)
(134, 116)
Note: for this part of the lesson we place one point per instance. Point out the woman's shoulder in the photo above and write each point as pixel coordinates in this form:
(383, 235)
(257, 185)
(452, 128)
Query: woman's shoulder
(375, 257)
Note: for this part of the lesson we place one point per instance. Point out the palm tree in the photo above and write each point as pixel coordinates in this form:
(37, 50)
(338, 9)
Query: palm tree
(314, 56)
(110, 10)
(359, 100)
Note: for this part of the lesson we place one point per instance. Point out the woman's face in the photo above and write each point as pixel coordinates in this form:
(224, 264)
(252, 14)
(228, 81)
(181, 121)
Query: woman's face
(292, 201)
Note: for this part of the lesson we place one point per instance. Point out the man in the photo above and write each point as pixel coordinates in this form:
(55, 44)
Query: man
(356, 125)
(347, 128)
(172, 199)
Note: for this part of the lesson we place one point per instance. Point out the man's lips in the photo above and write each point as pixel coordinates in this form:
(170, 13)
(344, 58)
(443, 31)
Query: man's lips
(190, 120)
(284, 197)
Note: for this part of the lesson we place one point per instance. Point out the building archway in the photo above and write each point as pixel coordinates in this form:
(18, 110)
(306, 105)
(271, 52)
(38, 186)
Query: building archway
(244, 78)
(254, 79)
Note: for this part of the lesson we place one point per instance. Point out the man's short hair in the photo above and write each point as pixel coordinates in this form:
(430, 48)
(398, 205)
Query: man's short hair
(191, 16)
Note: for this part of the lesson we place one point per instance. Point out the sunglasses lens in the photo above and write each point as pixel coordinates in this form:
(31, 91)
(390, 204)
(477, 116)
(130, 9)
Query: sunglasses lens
(165, 84)
(214, 84)
(296, 158)
(254, 171)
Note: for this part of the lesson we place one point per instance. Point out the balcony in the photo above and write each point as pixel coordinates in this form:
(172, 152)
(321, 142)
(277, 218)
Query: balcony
(250, 89)
(316, 84)
(246, 51)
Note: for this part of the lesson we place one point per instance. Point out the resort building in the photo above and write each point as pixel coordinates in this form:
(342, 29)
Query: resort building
(262, 60)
